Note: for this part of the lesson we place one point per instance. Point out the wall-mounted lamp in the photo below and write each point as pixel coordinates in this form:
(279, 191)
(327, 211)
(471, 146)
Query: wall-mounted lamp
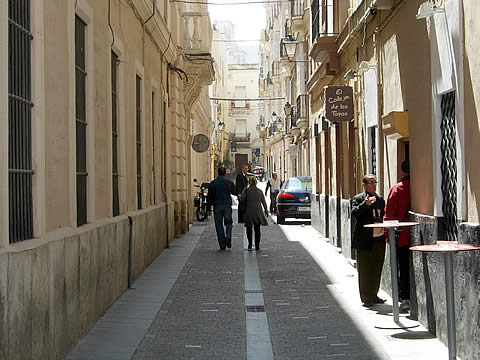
(290, 46)
(364, 67)
(428, 9)
(274, 116)
(221, 125)
(350, 74)
(287, 108)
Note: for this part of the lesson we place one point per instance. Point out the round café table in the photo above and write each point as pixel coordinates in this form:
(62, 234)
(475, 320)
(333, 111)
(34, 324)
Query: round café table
(393, 224)
(447, 248)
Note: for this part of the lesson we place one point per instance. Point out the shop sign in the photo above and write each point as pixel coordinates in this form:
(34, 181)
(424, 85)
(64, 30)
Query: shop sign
(339, 103)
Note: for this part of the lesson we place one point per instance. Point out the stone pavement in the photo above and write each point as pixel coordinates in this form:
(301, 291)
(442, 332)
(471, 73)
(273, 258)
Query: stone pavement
(296, 298)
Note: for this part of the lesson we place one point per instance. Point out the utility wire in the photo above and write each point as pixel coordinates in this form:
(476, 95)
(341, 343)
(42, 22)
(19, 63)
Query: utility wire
(246, 99)
(235, 3)
(254, 40)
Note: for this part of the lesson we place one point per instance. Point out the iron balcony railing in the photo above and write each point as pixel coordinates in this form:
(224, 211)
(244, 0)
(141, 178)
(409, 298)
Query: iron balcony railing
(242, 138)
(276, 68)
(322, 19)
(297, 8)
(301, 109)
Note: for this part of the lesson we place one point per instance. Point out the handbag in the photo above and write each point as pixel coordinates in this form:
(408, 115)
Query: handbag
(242, 207)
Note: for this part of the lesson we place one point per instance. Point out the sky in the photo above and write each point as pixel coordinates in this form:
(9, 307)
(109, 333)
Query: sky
(249, 19)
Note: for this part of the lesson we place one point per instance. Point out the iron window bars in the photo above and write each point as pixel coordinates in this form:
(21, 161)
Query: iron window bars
(81, 120)
(20, 171)
(115, 175)
(448, 150)
(139, 141)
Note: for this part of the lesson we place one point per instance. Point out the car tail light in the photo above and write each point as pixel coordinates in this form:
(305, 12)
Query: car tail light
(286, 195)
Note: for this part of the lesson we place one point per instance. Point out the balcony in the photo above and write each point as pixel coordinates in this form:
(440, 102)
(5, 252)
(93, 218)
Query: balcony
(301, 112)
(297, 8)
(275, 68)
(324, 34)
(242, 139)
(294, 130)
(197, 37)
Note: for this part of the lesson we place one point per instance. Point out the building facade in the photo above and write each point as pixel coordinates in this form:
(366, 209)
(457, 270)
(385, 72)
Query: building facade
(95, 156)
(408, 67)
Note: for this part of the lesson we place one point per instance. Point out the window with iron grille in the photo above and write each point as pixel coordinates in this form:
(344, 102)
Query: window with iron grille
(448, 149)
(81, 120)
(315, 8)
(20, 171)
(114, 69)
(139, 140)
(373, 148)
(153, 150)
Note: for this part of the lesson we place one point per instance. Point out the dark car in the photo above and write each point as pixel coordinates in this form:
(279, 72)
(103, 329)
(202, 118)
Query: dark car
(259, 172)
(293, 200)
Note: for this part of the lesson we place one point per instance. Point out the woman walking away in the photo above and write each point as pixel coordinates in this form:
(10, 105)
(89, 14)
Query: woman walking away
(254, 216)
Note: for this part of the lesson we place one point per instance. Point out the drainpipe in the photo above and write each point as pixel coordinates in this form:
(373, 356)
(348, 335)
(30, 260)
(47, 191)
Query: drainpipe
(130, 226)
(380, 155)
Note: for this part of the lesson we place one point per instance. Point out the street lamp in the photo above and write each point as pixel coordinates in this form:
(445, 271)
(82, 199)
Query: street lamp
(221, 125)
(287, 108)
(274, 116)
(290, 45)
(278, 124)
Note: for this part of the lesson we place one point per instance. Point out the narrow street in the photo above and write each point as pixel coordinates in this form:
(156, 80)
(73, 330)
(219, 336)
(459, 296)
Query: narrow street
(197, 302)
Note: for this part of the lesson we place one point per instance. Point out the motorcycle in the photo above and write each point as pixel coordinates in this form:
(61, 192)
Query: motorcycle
(200, 201)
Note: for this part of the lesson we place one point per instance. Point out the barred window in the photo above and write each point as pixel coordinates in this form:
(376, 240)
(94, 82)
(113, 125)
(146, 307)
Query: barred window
(81, 120)
(139, 140)
(20, 171)
(153, 150)
(116, 206)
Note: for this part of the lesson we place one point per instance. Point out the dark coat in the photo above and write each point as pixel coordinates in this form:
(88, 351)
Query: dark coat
(364, 214)
(254, 214)
(241, 182)
(219, 191)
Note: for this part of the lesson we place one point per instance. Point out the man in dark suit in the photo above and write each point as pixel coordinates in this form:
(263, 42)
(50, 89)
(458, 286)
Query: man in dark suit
(241, 183)
(219, 195)
(368, 208)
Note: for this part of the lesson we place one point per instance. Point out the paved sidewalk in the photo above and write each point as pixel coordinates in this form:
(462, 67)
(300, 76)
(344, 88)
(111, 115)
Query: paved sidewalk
(197, 302)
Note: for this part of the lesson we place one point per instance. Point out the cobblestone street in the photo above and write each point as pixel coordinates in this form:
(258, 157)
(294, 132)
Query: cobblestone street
(308, 290)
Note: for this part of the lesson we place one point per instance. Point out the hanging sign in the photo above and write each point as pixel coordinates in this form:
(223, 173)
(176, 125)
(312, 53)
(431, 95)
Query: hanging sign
(339, 103)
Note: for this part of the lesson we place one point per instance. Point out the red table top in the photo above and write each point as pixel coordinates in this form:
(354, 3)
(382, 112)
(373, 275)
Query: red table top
(445, 246)
(390, 224)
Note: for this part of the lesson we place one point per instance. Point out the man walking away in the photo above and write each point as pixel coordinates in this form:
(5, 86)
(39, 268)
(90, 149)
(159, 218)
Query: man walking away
(274, 184)
(398, 205)
(219, 195)
(241, 183)
(368, 208)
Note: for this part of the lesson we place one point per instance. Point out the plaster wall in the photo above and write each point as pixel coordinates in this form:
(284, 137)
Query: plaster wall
(59, 285)
(406, 86)
(471, 74)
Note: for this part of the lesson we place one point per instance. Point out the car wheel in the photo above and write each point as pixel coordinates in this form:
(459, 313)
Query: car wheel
(280, 219)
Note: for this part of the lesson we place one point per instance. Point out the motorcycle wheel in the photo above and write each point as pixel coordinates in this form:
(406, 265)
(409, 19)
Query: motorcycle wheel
(201, 214)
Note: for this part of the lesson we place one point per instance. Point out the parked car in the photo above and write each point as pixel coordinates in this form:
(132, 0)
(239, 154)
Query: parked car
(259, 172)
(293, 200)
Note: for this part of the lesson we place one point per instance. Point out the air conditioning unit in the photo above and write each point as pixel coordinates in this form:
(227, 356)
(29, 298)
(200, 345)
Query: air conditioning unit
(382, 4)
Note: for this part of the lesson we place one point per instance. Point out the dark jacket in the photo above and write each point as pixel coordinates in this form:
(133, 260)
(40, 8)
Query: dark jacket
(219, 191)
(241, 182)
(254, 215)
(364, 214)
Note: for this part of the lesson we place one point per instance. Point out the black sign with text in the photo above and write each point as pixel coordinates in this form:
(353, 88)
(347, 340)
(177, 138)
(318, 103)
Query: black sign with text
(339, 103)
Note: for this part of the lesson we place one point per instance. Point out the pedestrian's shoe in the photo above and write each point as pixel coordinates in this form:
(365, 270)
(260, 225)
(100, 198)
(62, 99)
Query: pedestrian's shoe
(229, 243)
(249, 248)
(368, 304)
(379, 300)
(404, 306)
(257, 245)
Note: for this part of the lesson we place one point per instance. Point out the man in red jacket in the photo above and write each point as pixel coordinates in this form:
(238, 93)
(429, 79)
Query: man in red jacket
(397, 207)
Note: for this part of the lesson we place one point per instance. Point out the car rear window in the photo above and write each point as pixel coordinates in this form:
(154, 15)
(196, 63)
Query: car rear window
(298, 184)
